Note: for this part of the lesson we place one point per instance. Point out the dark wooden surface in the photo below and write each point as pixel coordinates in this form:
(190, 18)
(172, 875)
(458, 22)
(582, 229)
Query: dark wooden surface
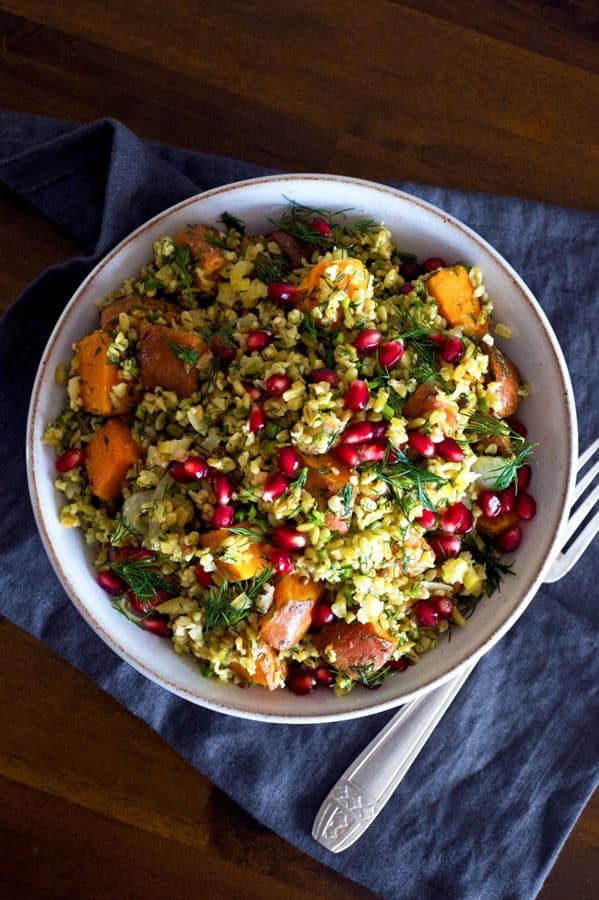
(492, 96)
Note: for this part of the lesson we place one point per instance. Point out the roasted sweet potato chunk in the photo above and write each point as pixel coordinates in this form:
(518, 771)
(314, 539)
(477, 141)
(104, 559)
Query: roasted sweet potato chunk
(270, 670)
(503, 371)
(357, 647)
(426, 398)
(326, 477)
(201, 240)
(498, 524)
(452, 289)
(108, 457)
(253, 561)
(162, 355)
(135, 305)
(290, 616)
(98, 378)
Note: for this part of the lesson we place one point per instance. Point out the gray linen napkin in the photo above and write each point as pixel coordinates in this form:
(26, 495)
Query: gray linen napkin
(488, 804)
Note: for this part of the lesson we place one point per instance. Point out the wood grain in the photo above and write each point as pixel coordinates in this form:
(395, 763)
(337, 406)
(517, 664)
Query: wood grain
(494, 96)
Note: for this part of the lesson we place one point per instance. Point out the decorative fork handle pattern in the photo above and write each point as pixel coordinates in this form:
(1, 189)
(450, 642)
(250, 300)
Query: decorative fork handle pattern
(364, 788)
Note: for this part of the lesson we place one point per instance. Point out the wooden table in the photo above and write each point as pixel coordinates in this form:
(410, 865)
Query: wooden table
(491, 96)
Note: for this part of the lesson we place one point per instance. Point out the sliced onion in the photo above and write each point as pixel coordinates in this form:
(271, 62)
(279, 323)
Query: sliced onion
(488, 469)
(159, 493)
(133, 512)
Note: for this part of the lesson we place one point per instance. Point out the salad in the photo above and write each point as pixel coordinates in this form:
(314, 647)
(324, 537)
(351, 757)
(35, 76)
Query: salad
(295, 453)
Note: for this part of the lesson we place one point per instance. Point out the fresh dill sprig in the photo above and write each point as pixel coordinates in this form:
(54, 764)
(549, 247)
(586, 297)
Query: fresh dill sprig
(231, 221)
(297, 222)
(371, 678)
(184, 262)
(143, 576)
(484, 554)
(405, 477)
(150, 283)
(254, 536)
(483, 425)
(323, 340)
(186, 355)
(270, 268)
(214, 240)
(300, 479)
(347, 497)
(227, 605)
(122, 531)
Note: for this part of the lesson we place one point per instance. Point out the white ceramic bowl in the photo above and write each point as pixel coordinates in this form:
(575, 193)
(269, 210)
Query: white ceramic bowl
(549, 414)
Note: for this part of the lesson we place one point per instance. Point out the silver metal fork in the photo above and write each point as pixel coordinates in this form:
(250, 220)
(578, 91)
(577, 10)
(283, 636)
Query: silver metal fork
(366, 786)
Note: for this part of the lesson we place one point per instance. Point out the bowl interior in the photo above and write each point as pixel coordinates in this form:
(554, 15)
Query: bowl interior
(549, 414)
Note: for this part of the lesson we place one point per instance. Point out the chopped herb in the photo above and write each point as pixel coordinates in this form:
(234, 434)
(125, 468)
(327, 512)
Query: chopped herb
(150, 283)
(300, 480)
(227, 605)
(122, 531)
(405, 477)
(370, 677)
(254, 536)
(508, 471)
(186, 355)
(214, 241)
(270, 268)
(230, 221)
(483, 425)
(184, 262)
(347, 497)
(486, 555)
(297, 222)
(143, 576)
(407, 257)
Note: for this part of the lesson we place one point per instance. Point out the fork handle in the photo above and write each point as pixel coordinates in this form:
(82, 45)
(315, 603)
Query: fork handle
(364, 788)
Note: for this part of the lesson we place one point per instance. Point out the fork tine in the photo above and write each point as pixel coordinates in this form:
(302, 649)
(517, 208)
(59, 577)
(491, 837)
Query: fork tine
(565, 561)
(586, 479)
(576, 520)
(590, 450)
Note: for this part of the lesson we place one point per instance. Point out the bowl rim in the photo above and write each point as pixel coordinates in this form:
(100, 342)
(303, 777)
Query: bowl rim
(527, 593)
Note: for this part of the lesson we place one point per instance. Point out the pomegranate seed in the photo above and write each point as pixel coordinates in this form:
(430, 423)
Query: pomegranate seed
(443, 605)
(203, 577)
(251, 389)
(406, 288)
(508, 498)
(136, 603)
(225, 353)
(281, 561)
(490, 503)
(156, 625)
(433, 263)
(517, 426)
(379, 430)
(324, 676)
(368, 340)
(426, 614)
(328, 375)
(509, 540)
(302, 682)
(257, 419)
(222, 487)
(347, 455)
(289, 538)
(289, 461)
(257, 340)
(374, 452)
(452, 350)
(398, 665)
(450, 450)
(110, 582)
(421, 444)
(356, 396)
(276, 485)
(523, 475)
(457, 519)
(444, 546)
(68, 460)
(409, 270)
(223, 516)
(283, 292)
(278, 384)
(358, 433)
(526, 507)
(145, 604)
(390, 354)
(194, 468)
(321, 226)
(427, 519)
(322, 615)
(438, 340)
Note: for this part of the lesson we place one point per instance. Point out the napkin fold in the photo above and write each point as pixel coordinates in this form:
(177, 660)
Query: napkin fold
(488, 804)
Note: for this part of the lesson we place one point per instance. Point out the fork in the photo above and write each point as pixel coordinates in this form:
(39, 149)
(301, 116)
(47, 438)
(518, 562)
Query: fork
(365, 787)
